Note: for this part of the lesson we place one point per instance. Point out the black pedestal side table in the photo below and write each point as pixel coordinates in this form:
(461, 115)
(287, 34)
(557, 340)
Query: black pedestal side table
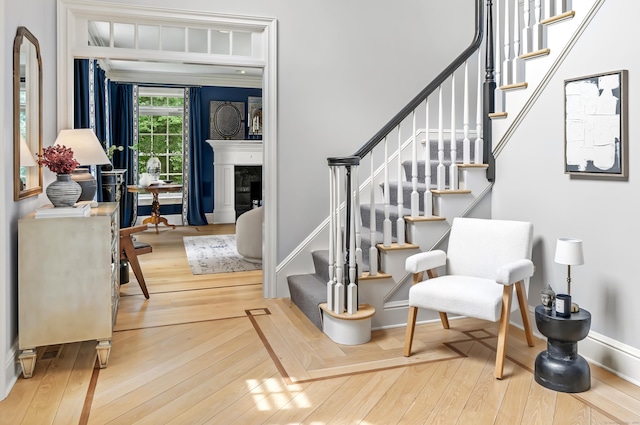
(560, 367)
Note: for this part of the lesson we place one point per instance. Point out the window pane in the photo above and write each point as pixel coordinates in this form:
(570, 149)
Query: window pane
(241, 43)
(175, 144)
(175, 163)
(99, 33)
(173, 39)
(144, 100)
(144, 124)
(176, 101)
(159, 124)
(159, 101)
(144, 145)
(123, 36)
(220, 42)
(197, 40)
(175, 125)
(148, 37)
(159, 144)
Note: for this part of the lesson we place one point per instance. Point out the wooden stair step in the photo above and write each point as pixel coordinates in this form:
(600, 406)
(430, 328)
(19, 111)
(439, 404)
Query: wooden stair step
(516, 86)
(558, 18)
(536, 54)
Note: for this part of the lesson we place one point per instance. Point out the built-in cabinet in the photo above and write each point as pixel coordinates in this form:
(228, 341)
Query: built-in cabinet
(68, 281)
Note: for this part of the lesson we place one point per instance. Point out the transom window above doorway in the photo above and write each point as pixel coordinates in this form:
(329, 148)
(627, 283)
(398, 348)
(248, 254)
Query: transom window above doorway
(172, 38)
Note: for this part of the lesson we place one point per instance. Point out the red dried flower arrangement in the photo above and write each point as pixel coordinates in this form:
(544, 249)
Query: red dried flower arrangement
(59, 159)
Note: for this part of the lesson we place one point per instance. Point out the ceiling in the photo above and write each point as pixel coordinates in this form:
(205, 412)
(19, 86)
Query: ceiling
(156, 72)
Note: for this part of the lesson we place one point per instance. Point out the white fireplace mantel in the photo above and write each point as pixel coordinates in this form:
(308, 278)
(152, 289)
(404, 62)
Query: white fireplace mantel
(226, 155)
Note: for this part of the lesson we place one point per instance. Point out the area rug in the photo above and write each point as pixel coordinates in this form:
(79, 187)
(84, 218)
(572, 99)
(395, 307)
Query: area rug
(215, 254)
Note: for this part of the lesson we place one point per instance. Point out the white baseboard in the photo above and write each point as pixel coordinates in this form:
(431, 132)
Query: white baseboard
(12, 370)
(618, 358)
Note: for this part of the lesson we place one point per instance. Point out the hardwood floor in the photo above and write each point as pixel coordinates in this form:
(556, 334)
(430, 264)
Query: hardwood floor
(209, 349)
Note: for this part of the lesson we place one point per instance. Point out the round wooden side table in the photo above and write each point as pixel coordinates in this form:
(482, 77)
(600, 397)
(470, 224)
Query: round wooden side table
(560, 367)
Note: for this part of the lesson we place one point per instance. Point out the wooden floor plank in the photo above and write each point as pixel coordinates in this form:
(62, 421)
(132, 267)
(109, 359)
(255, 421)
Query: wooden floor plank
(570, 411)
(457, 393)
(540, 403)
(47, 400)
(512, 407)
(74, 394)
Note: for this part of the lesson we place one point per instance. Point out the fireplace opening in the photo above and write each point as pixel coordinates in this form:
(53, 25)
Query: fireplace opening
(248, 187)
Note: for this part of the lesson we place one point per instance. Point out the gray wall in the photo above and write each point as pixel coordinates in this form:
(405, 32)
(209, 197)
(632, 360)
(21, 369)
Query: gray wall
(531, 185)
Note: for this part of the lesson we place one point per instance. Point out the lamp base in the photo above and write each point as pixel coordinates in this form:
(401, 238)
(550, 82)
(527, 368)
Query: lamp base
(87, 182)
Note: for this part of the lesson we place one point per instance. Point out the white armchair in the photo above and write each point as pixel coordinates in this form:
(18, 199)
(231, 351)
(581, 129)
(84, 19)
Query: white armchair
(486, 261)
(249, 234)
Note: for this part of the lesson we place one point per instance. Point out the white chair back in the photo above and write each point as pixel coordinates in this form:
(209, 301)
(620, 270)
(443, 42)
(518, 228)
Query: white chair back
(477, 247)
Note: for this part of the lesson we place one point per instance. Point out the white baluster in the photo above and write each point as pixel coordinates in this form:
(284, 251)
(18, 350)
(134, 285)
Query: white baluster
(516, 63)
(526, 29)
(440, 170)
(538, 32)
(358, 220)
(400, 221)
(506, 65)
(338, 296)
(549, 9)
(477, 152)
(352, 294)
(415, 198)
(373, 251)
(428, 196)
(386, 225)
(332, 232)
(453, 168)
(466, 143)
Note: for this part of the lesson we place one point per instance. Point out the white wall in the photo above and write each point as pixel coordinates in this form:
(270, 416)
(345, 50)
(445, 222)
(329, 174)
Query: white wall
(531, 185)
(43, 25)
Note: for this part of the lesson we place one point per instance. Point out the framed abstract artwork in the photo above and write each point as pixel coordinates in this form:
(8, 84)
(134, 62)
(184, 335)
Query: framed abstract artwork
(596, 127)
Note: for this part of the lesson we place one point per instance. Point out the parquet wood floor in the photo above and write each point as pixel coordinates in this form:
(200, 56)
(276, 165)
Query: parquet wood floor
(211, 350)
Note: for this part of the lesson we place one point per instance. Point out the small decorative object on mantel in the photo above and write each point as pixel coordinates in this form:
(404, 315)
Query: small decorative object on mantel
(63, 192)
(548, 297)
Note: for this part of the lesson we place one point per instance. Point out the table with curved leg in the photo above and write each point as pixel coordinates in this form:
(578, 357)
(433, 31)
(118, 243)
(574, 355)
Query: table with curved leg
(154, 190)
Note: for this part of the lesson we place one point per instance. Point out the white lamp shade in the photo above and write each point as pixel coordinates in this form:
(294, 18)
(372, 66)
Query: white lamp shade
(26, 157)
(86, 147)
(569, 252)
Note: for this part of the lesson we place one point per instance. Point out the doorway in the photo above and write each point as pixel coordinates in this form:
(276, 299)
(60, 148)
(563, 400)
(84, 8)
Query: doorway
(260, 33)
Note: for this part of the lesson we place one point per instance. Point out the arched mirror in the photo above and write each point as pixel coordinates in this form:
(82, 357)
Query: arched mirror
(27, 115)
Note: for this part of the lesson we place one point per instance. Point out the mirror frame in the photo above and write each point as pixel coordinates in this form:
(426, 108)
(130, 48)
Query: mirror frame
(23, 34)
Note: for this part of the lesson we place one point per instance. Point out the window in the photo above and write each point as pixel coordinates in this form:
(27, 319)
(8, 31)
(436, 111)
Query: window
(160, 130)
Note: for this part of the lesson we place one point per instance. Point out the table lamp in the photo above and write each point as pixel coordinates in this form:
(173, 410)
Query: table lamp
(87, 150)
(569, 252)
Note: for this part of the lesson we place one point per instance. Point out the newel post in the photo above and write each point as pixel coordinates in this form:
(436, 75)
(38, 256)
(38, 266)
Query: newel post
(489, 96)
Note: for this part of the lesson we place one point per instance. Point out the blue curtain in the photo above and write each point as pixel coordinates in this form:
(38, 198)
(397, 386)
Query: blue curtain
(83, 116)
(195, 212)
(121, 106)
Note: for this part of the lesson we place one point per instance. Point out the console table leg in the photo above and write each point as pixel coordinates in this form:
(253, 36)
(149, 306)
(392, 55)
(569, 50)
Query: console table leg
(103, 349)
(28, 362)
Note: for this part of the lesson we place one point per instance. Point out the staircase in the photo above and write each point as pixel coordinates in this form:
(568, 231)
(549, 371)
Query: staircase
(377, 221)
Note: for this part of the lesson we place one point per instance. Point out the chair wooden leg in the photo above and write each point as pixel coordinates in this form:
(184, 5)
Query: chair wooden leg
(444, 319)
(411, 326)
(524, 310)
(135, 265)
(504, 330)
